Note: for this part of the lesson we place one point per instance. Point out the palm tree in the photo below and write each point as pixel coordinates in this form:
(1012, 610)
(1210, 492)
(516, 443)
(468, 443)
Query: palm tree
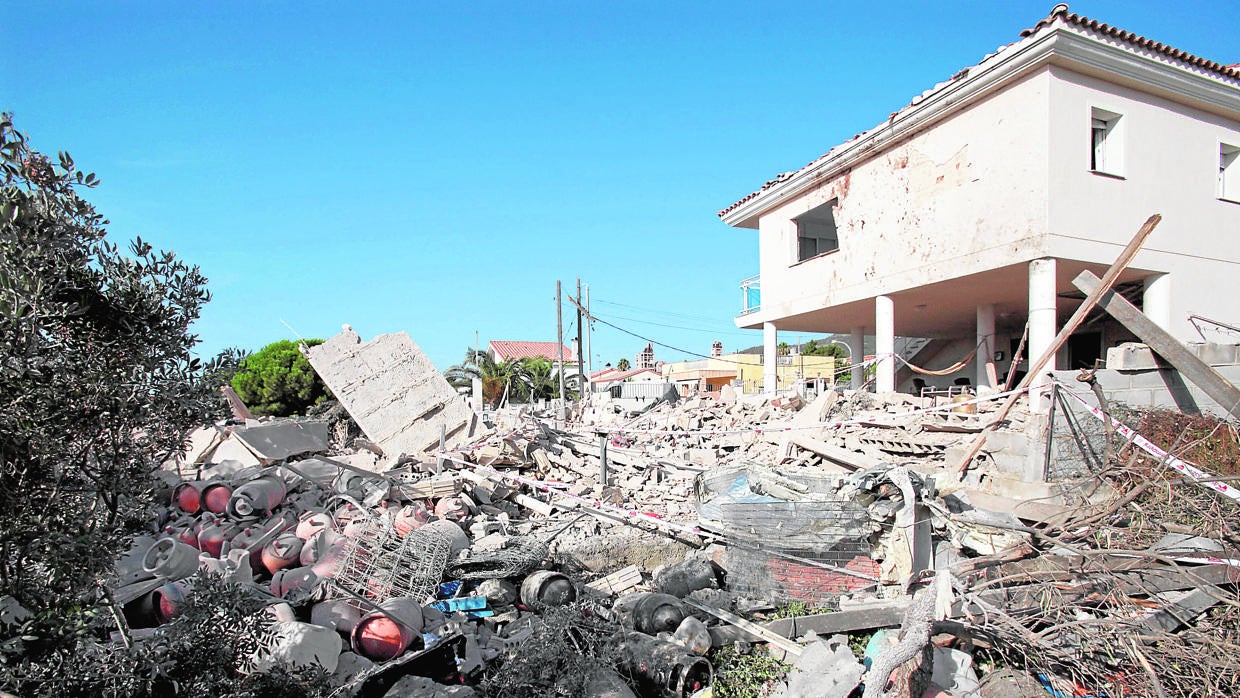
(495, 375)
(623, 365)
(535, 379)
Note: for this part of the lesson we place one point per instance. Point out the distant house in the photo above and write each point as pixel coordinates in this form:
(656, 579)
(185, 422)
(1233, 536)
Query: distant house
(964, 217)
(745, 372)
(609, 376)
(504, 350)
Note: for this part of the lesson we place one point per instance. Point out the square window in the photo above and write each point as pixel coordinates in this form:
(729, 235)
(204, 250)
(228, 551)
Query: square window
(1105, 146)
(816, 231)
(1229, 172)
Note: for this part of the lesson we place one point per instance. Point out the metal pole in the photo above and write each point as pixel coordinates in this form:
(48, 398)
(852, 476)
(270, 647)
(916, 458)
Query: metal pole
(589, 333)
(1050, 433)
(443, 442)
(559, 342)
(581, 364)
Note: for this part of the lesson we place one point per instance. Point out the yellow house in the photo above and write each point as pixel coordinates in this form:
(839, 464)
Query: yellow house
(745, 371)
(791, 371)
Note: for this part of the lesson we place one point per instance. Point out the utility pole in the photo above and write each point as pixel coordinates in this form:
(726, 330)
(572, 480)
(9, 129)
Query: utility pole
(559, 343)
(581, 364)
(589, 333)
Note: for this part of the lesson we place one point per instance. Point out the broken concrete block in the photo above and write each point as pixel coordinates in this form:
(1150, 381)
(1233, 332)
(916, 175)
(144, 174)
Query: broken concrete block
(304, 644)
(825, 669)
(1132, 356)
(392, 390)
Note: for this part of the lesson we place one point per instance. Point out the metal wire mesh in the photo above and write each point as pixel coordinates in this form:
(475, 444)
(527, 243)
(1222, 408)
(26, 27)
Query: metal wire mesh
(380, 564)
(519, 555)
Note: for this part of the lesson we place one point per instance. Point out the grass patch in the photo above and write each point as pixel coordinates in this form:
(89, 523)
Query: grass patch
(746, 674)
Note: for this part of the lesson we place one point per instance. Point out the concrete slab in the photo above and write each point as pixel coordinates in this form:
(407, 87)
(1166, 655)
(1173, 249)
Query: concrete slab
(392, 390)
(277, 440)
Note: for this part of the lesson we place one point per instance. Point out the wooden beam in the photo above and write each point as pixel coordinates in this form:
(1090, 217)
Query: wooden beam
(1199, 372)
(793, 649)
(825, 624)
(1035, 367)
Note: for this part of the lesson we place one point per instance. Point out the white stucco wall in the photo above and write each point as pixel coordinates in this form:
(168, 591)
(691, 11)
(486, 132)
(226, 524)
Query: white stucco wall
(1170, 167)
(966, 194)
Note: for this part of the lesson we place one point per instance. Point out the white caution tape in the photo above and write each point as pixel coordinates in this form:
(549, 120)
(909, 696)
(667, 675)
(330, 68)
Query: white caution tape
(1204, 478)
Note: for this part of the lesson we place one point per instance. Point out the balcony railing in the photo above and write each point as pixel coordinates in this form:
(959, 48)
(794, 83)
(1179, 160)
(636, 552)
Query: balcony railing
(751, 294)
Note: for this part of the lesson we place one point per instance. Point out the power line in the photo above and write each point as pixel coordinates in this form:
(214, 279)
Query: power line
(656, 311)
(681, 327)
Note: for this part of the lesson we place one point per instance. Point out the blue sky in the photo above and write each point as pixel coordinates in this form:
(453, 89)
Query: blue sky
(435, 167)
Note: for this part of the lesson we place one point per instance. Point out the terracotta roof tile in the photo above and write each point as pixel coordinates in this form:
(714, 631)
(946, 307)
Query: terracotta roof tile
(505, 350)
(1229, 71)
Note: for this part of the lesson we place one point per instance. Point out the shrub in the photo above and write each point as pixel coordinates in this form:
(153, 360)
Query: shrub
(279, 381)
(99, 385)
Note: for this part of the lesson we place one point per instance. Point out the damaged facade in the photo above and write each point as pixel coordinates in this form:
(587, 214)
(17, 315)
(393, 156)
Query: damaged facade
(968, 212)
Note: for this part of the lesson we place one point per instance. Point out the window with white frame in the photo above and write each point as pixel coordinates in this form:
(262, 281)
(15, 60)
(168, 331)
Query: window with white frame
(1229, 172)
(816, 231)
(1106, 154)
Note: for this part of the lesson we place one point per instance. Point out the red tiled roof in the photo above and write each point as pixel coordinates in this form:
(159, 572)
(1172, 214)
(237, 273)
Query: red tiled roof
(508, 350)
(1059, 13)
(1230, 71)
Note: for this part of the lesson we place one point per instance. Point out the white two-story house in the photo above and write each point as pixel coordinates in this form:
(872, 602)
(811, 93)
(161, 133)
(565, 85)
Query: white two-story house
(965, 216)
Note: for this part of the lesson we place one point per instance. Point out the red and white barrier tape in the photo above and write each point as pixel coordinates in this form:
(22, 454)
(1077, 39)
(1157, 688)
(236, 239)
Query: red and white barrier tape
(1181, 466)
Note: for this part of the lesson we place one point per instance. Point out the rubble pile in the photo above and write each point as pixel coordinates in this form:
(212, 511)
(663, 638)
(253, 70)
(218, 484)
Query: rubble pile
(616, 554)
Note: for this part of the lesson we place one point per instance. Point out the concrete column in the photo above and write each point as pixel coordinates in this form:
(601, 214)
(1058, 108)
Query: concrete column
(856, 349)
(770, 358)
(476, 401)
(986, 374)
(1156, 300)
(885, 344)
(1043, 323)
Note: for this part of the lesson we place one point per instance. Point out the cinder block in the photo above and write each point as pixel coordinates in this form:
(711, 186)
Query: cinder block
(1132, 356)
(1149, 380)
(1218, 354)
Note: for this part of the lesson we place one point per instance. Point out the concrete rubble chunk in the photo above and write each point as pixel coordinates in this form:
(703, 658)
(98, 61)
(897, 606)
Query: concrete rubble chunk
(825, 669)
(392, 390)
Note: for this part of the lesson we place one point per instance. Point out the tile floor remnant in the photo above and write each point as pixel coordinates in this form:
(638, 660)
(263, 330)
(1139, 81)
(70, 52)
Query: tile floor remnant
(392, 390)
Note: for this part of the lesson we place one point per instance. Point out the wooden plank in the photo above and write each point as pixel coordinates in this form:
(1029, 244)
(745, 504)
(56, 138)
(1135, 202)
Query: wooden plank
(824, 624)
(619, 581)
(1035, 367)
(1081, 589)
(793, 649)
(1199, 372)
(1181, 610)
